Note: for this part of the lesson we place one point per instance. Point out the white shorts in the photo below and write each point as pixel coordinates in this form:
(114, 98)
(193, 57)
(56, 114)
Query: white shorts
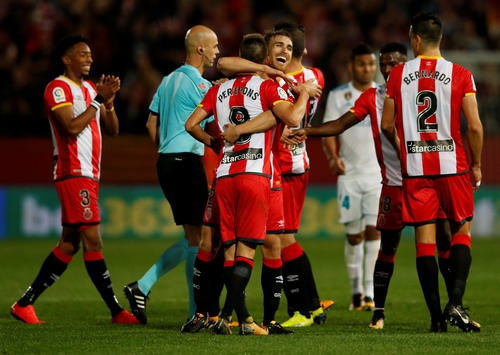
(358, 199)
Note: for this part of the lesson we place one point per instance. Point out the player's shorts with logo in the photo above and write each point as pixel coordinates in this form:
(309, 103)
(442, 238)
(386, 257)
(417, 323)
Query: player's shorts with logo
(423, 199)
(276, 218)
(358, 198)
(79, 197)
(294, 195)
(243, 202)
(390, 208)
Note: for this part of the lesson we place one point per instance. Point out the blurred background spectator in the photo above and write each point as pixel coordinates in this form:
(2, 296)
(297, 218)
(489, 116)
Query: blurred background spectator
(142, 40)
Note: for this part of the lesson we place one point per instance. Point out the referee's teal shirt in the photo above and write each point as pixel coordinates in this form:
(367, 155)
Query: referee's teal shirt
(178, 95)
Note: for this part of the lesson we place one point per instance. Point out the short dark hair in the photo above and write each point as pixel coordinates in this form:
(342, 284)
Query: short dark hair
(253, 47)
(66, 43)
(428, 26)
(361, 49)
(271, 34)
(394, 47)
(298, 35)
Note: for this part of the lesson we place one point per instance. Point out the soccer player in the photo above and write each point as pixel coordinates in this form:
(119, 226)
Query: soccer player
(303, 303)
(304, 306)
(244, 171)
(389, 222)
(179, 167)
(76, 107)
(421, 118)
(358, 184)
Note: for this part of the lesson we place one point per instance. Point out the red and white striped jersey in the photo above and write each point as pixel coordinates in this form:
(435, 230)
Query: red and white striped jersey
(296, 160)
(80, 155)
(427, 93)
(371, 102)
(237, 101)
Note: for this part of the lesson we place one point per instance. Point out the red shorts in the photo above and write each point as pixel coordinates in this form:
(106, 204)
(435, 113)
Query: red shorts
(79, 199)
(390, 208)
(243, 202)
(423, 198)
(276, 219)
(294, 195)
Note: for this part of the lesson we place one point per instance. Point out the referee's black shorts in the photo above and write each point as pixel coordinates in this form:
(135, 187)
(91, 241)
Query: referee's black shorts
(184, 183)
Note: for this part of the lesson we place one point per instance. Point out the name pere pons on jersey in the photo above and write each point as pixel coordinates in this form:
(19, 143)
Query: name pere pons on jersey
(236, 91)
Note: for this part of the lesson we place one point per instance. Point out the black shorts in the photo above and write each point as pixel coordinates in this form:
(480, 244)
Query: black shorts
(184, 183)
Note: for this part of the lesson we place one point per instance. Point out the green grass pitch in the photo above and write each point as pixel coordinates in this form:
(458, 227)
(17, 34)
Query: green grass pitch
(78, 322)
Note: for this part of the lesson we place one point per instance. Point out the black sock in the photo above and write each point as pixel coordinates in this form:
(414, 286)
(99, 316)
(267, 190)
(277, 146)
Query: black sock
(238, 281)
(295, 285)
(460, 262)
(201, 284)
(428, 273)
(216, 284)
(99, 274)
(381, 280)
(444, 268)
(271, 281)
(50, 271)
(312, 290)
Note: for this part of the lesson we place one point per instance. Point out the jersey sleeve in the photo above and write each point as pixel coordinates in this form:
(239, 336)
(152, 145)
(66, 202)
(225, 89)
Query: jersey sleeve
(155, 102)
(361, 107)
(272, 94)
(319, 76)
(57, 94)
(468, 84)
(209, 101)
(393, 80)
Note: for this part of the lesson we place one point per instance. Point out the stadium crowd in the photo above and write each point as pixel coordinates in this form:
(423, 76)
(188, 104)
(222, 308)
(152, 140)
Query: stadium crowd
(140, 41)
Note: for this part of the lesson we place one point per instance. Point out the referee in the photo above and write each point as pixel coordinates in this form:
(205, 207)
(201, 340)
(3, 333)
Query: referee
(179, 167)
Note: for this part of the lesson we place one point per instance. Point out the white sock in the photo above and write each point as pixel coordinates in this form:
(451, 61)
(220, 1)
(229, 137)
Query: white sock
(371, 253)
(353, 255)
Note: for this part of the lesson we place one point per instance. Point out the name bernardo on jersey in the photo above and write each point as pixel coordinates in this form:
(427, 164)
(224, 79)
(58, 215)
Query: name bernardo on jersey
(429, 74)
(245, 154)
(430, 146)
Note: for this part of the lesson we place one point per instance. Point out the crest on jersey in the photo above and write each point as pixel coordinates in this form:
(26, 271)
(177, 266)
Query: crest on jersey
(87, 213)
(237, 116)
(348, 95)
(282, 93)
(58, 95)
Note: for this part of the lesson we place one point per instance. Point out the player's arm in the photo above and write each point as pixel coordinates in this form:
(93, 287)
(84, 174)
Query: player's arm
(387, 124)
(331, 128)
(330, 148)
(292, 114)
(474, 136)
(73, 126)
(194, 128)
(261, 123)
(108, 113)
(314, 90)
(152, 126)
(231, 66)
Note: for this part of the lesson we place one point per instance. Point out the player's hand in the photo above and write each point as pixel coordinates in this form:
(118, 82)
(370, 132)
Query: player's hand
(298, 134)
(108, 86)
(219, 81)
(287, 138)
(476, 177)
(275, 73)
(313, 90)
(230, 133)
(337, 166)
